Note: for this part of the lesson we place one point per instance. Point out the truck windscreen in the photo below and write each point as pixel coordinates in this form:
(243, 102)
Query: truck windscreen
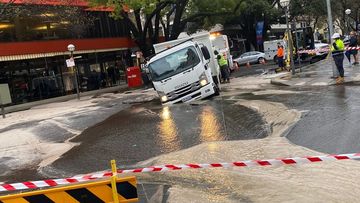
(174, 63)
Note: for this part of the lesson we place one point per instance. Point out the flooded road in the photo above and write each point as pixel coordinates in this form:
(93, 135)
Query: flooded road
(145, 131)
(240, 125)
(248, 121)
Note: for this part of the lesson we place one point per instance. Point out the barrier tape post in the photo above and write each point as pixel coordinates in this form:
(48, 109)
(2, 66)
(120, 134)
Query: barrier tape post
(113, 181)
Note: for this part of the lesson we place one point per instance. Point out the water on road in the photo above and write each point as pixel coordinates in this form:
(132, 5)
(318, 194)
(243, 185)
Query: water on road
(145, 131)
(248, 122)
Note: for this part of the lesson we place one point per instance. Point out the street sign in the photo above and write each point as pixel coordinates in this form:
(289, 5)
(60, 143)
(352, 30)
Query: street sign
(5, 97)
(70, 62)
(100, 191)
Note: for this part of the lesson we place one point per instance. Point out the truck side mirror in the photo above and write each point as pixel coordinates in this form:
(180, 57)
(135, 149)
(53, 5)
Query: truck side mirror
(205, 52)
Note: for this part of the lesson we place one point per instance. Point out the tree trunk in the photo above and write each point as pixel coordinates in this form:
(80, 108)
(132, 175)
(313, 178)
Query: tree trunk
(155, 37)
(176, 28)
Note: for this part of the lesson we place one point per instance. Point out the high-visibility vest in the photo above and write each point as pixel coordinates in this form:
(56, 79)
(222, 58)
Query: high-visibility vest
(280, 52)
(222, 61)
(339, 48)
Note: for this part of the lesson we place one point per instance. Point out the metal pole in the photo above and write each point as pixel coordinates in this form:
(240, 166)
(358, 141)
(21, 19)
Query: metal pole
(331, 32)
(330, 20)
(291, 48)
(2, 108)
(347, 25)
(297, 45)
(3, 111)
(76, 79)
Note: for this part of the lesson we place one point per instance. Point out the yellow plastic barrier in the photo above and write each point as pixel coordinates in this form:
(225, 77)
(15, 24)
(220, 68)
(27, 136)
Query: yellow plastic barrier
(93, 192)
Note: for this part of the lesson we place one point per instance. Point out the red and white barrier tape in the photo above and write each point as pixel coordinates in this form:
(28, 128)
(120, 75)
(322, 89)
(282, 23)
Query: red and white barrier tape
(250, 163)
(312, 51)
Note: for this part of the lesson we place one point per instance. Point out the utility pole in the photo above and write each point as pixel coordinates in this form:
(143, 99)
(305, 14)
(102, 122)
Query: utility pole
(291, 47)
(331, 32)
(330, 20)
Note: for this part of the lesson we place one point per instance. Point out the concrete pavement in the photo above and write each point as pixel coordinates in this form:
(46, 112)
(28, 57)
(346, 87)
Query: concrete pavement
(319, 74)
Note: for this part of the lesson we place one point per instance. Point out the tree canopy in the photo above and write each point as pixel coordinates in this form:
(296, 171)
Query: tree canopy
(145, 18)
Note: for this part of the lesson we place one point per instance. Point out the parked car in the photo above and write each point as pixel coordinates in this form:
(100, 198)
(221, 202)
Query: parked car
(251, 57)
(323, 47)
(321, 53)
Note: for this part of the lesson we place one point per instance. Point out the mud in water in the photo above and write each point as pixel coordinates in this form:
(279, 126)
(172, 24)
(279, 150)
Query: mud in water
(317, 182)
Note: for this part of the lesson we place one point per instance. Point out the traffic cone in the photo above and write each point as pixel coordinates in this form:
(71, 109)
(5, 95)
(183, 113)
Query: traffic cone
(248, 65)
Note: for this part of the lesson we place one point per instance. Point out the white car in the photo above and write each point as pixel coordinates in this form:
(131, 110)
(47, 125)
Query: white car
(250, 57)
(322, 47)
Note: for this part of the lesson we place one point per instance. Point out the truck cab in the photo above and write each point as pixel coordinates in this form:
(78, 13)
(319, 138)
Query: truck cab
(181, 73)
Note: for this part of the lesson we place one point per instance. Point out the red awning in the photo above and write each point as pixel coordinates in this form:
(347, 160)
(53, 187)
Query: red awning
(54, 47)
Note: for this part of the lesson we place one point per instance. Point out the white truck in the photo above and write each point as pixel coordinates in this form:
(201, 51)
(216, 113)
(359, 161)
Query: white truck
(184, 70)
(221, 44)
(270, 49)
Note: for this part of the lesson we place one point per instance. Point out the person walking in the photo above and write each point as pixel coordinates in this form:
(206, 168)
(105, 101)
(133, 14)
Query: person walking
(337, 51)
(224, 67)
(280, 56)
(353, 44)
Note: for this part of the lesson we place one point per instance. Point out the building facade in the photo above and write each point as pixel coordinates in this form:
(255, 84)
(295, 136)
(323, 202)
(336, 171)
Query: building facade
(33, 49)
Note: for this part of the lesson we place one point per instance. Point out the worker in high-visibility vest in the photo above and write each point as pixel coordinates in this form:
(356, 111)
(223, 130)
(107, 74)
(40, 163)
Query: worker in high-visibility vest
(337, 51)
(224, 67)
(280, 56)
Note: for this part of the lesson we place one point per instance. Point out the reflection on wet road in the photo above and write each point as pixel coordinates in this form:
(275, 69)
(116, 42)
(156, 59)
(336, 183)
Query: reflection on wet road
(210, 126)
(168, 132)
(149, 130)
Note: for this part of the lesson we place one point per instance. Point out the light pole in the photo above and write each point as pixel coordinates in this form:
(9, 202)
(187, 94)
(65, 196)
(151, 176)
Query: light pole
(347, 12)
(285, 5)
(330, 20)
(71, 48)
(331, 32)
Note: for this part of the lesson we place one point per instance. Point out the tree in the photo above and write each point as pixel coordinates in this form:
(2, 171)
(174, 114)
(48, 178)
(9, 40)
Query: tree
(145, 18)
(314, 12)
(341, 19)
(249, 12)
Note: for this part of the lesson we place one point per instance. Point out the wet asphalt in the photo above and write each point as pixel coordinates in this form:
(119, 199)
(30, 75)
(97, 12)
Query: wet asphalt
(330, 117)
(329, 124)
(148, 130)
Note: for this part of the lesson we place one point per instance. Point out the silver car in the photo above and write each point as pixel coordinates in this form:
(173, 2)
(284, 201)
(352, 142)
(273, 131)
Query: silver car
(251, 57)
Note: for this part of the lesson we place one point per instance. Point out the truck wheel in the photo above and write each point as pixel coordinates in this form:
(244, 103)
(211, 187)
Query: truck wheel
(217, 90)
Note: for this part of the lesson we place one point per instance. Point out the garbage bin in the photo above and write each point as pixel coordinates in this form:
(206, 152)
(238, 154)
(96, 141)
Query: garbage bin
(134, 76)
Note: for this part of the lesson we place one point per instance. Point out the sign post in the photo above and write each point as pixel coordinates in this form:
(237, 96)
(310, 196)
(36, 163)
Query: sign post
(2, 108)
(5, 97)
(71, 63)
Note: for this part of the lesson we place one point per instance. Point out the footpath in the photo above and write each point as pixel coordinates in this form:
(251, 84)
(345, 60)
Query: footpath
(319, 74)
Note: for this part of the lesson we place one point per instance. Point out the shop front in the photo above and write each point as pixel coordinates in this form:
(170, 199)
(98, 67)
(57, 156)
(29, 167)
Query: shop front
(48, 77)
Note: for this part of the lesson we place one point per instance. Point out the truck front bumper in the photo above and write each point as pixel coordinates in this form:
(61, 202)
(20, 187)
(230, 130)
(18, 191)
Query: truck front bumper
(201, 93)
